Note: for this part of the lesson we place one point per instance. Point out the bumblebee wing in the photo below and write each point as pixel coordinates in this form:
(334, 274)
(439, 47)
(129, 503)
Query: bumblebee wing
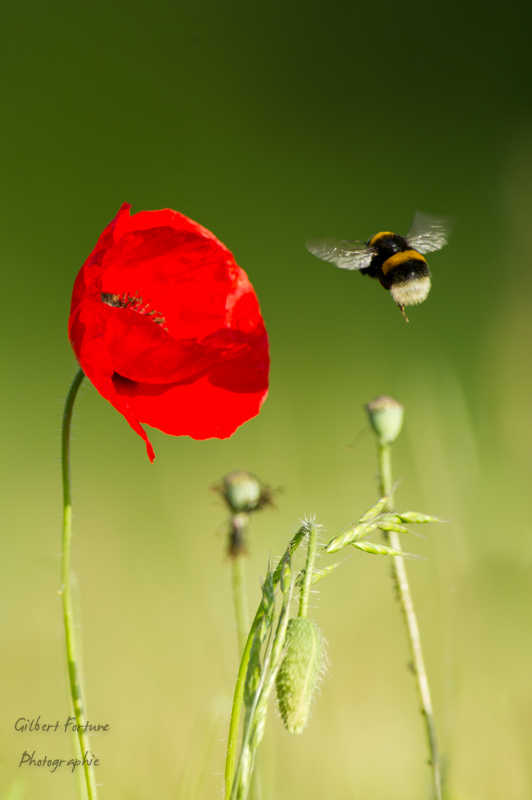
(342, 252)
(429, 232)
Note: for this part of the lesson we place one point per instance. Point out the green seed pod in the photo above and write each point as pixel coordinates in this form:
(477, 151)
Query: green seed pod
(253, 673)
(374, 511)
(349, 534)
(286, 574)
(241, 490)
(393, 526)
(386, 417)
(268, 598)
(299, 673)
(414, 516)
(378, 549)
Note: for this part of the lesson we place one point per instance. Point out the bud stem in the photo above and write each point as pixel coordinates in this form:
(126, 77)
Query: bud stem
(238, 579)
(404, 597)
(309, 571)
(237, 554)
(66, 589)
(240, 601)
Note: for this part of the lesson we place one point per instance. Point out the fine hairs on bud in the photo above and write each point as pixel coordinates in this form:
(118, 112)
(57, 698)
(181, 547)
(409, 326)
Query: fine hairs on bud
(300, 672)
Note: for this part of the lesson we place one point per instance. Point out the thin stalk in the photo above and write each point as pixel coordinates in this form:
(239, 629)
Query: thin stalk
(309, 571)
(237, 554)
(409, 615)
(79, 775)
(270, 666)
(66, 592)
(234, 724)
(250, 713)
(238, 579)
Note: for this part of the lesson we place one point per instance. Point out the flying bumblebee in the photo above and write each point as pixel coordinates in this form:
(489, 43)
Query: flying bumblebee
(396, 261)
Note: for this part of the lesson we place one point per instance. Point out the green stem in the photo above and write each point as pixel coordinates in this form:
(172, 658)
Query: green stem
(238, 578)
(253, 726)
(66, 592)
(239, 525)
(309, 571)
(78, 774)
(409, 615)
(234, 724)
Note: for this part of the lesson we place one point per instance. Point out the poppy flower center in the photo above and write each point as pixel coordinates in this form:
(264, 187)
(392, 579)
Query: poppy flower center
(134, 303)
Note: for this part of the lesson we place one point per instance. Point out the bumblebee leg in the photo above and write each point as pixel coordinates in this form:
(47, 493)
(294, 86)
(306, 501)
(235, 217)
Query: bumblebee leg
(402, 310)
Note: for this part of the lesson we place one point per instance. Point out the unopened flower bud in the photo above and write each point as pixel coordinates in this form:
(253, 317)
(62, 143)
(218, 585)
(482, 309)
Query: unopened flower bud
(244, 492)
(386, 417)
(299, 673)
(241, 490)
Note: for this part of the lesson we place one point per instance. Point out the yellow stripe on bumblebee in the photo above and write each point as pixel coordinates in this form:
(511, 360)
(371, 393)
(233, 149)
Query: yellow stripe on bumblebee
(401, 258)
(374, 241)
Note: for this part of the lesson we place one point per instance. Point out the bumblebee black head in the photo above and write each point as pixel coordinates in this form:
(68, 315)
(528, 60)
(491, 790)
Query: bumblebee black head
(386, 243)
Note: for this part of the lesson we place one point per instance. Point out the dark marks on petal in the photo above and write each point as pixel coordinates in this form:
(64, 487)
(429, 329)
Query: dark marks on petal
(134, 303)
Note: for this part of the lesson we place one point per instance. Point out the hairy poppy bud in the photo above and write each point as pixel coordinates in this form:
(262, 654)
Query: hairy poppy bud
(299, 673)
(241, 490)
(244, 492)
(386, 417)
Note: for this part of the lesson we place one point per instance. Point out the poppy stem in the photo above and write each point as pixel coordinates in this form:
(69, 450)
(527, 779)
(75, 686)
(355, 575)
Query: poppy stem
(237, 555)
(404, 597)
(66, 593)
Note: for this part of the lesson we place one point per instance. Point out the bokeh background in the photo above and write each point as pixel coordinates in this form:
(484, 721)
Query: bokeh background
(269, 123)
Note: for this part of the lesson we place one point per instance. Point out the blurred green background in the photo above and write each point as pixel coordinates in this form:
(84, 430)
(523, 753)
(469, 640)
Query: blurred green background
(269, 123)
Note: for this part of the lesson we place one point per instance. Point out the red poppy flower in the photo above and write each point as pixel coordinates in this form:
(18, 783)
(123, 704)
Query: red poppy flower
(168, 328)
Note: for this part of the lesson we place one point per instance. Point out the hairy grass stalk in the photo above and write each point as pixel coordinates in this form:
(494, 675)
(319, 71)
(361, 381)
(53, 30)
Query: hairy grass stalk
(309, 570)
(387, 429)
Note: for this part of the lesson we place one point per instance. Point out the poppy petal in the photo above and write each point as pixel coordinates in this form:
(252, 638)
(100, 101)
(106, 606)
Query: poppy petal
(168, 328)
(86, 337)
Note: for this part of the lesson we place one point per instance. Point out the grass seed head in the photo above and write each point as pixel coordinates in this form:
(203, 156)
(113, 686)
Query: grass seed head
(286, 574)
(416, 517)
